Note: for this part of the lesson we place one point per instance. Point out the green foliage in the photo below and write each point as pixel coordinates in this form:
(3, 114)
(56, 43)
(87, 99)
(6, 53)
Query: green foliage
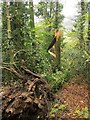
(73, 57)
(57, 110)
(57, 79)
(34, 49)
(20, 33)
(47, 10)
(83, 112)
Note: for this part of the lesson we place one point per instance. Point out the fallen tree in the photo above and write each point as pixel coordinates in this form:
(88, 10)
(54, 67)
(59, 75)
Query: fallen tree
(29, 100)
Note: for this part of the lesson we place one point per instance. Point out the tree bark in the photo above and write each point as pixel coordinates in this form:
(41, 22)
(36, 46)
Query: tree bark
(9, 35)
(32, 24)
(82, 21)
(88, 44)
(58, 54)
(56, 15)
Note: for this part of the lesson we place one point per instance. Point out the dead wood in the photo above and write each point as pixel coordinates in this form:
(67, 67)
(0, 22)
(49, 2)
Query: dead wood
(30, 103)
(30, 72)
(14, 72)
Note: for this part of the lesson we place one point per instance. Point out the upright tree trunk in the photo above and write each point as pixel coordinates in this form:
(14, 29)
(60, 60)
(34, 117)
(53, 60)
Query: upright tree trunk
(56, 15)
(88, 21)
(32, 24)
(45, 12)
(50, 15)
(88, 44)
(58, 54)
(18, 27)
(58, 43)
(82, 21)
(9, 35)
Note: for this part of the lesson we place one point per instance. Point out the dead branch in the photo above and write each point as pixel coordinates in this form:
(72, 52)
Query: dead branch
(14, 72)
(30, 72)
(25, 78)
(36, 81)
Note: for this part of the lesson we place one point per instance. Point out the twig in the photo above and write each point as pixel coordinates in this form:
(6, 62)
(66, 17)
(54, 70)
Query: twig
(19, 52)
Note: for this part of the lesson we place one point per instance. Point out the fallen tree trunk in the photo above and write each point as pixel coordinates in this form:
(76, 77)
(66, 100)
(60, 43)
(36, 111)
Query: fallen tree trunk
(28, 102)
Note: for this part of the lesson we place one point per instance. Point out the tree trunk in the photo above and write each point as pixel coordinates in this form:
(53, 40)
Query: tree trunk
(9, 35)
(58, 54)
(32, 24)
(56, 15)
(88, 44)
(58, 44)
(88, 21)
(82, 21)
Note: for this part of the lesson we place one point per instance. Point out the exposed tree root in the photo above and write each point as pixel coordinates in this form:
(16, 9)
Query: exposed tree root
(28, 102)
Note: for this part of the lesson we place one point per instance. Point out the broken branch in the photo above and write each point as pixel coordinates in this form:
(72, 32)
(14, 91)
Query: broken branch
(14, 72)
(30, 72)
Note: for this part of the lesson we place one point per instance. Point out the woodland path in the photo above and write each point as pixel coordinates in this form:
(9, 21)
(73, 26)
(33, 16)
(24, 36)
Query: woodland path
(76, 94)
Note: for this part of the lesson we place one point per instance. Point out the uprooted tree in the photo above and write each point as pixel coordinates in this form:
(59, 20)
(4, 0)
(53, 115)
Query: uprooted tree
(28, 99)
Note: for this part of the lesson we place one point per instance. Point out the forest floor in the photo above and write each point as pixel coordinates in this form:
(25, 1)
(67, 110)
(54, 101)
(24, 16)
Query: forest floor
(76, 95)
